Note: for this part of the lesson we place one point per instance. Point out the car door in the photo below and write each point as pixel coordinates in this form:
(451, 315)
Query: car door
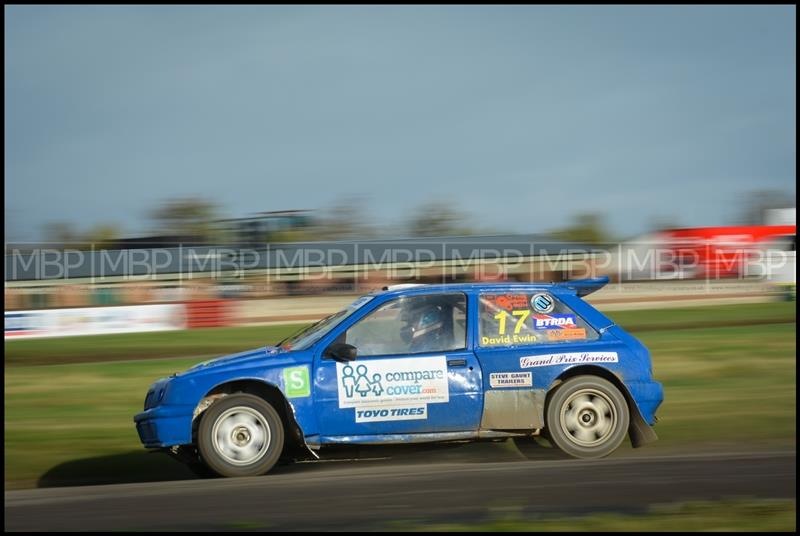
(415, 371)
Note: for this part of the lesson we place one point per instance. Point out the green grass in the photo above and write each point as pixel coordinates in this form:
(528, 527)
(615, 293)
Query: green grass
(61, 413)
(73, 423)
(220, 341)
(709, 316)
(743, 515)
(726, 384)
(195, 342)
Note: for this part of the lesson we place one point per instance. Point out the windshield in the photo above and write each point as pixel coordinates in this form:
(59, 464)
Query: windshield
(314, 332)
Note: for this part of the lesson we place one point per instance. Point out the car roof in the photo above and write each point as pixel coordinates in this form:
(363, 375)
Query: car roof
(581, 287)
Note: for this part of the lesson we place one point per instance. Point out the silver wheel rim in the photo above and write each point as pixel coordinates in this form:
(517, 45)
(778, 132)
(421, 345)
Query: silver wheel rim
(588, 417)
(241, 435)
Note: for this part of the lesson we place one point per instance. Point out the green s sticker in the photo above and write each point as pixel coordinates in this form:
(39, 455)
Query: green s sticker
(295, 381)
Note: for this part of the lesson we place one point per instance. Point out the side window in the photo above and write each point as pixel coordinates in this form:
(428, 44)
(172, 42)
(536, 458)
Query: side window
(522, 319)
(412, 325)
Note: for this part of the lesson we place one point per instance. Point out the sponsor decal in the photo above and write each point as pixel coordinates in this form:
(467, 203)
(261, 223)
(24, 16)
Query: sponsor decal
(566, 334)
(509, 302)
(392, 382)
(542, 302)
(511, 379)
(572, 358)
(508, 340)
(405, 413)
(562, 321)
(296, 382)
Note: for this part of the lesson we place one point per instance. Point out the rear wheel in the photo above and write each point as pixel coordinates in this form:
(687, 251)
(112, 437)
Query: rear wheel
(240, 435)
(587, 417)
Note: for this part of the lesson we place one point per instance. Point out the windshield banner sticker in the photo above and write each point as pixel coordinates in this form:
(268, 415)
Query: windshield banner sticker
(392, 382)
(360, 302)
(572, 358)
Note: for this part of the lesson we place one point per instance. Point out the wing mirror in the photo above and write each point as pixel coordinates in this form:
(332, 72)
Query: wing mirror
(341, 352)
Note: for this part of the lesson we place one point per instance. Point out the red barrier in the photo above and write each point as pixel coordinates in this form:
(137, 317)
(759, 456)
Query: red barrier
(207, 314)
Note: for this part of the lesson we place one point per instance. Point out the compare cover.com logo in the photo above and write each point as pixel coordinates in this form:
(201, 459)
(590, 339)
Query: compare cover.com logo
(389, 381)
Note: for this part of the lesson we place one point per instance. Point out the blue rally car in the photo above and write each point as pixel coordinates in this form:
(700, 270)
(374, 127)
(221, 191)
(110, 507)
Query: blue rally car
(416, 363)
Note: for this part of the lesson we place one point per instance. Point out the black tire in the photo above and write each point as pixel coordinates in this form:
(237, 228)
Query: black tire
(249, 436)
(587, 417)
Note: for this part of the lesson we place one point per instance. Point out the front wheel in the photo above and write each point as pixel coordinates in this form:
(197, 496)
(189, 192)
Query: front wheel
(240, 435)
(587, 417)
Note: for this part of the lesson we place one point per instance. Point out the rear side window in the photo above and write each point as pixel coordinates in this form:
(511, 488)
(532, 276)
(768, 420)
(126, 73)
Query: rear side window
(523, 319)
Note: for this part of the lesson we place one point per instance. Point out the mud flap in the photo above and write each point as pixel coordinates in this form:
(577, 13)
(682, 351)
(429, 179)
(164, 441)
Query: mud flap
(639, 431)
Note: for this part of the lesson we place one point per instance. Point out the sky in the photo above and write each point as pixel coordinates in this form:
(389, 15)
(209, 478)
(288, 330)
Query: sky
(521, 117)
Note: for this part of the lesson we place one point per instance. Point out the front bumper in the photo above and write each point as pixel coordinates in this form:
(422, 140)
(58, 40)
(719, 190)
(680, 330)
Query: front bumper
(165, 426)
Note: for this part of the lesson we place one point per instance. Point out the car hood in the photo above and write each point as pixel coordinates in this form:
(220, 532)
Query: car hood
(241, 358)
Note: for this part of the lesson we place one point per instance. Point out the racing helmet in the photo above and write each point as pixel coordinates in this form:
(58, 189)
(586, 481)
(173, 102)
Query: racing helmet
(422, 325)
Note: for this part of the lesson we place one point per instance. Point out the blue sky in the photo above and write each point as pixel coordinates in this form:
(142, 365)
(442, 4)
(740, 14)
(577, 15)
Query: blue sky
(520, 116)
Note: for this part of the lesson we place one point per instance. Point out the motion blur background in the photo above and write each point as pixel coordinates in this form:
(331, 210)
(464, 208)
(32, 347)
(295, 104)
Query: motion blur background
(183, 182)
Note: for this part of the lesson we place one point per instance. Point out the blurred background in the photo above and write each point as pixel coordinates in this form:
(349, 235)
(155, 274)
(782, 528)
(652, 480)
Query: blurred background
(184, 182)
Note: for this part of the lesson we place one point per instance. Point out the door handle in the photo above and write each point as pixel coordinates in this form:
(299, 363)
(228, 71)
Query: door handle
(456, 362)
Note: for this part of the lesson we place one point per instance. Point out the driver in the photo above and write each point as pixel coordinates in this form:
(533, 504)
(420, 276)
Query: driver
(424, 327)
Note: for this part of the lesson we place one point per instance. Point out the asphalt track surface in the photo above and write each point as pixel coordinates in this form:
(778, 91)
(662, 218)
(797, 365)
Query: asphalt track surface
(435, 486)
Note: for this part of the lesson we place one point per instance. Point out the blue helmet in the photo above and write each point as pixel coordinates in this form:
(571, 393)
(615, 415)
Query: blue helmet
(423, 325)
